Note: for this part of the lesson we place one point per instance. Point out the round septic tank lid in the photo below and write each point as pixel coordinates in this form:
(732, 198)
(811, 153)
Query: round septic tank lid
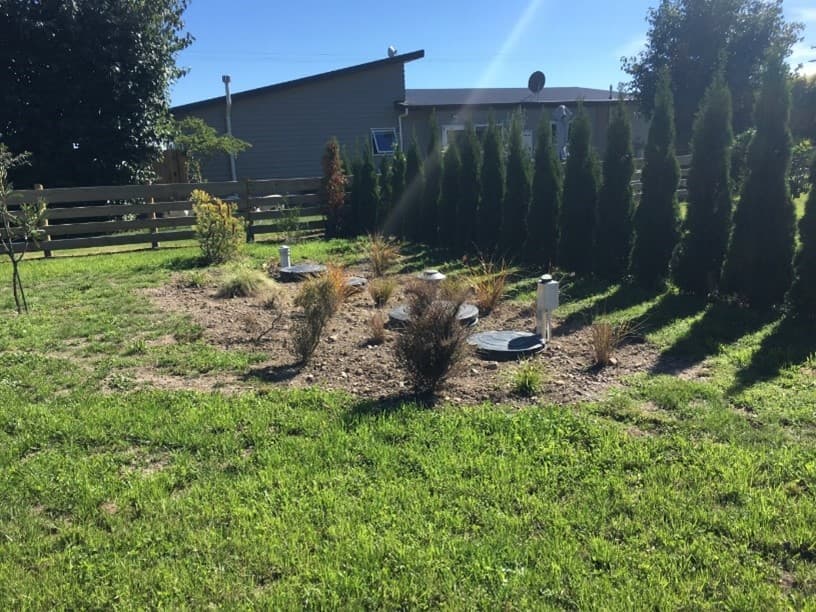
(356, 282)
(508, 344)
(432, 275)
(468, 314)
(301, 271)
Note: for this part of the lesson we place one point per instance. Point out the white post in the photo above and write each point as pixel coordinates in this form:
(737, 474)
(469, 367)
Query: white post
(284, 257)
(546, 303)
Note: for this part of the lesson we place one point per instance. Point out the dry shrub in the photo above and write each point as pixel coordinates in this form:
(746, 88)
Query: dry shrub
(340, 289)
(382, 253)
(433, 341)
(607, 337)
(243, 282)
(377, 328)
(489, 282)
(319, 301)
(380, 290)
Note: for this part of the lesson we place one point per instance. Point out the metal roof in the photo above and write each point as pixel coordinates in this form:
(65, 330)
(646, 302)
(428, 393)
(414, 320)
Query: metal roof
(397, 59)
(505, 95)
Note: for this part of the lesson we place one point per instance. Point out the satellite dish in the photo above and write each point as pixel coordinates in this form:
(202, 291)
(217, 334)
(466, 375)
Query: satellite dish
(392, 51)
(536, 82)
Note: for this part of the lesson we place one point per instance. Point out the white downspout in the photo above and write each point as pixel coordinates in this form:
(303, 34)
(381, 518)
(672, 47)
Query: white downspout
(226, 80)
(399, 123)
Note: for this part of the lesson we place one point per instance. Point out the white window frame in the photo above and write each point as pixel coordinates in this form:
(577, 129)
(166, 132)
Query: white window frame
(457, 127)
(374, 145)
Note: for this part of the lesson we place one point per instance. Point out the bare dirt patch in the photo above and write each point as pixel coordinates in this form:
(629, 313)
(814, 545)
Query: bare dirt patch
(348, 360)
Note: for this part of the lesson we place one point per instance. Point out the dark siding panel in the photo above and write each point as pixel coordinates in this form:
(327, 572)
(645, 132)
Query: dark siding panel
(288, 129)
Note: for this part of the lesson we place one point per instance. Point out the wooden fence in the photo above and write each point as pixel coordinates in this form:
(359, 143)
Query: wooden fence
(682, 190)
(83, 217)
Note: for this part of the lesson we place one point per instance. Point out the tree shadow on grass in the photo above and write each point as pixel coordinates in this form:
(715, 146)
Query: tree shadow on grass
(274, 374)
(393, 404)
(790, 344)
(669, 308)
(622, 298)
(720, 324)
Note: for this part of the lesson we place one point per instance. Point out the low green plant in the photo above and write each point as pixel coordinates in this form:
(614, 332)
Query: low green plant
(219, 232)
(527, 379)
(243, 282)
(194, 279)
(289, 222)
(319, 299)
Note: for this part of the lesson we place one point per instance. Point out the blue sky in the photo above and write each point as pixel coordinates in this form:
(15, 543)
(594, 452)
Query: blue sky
(475, 43)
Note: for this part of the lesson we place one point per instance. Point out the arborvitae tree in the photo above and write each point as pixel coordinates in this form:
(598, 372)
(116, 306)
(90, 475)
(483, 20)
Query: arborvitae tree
(470, 153)
(333, 189)
(395, 225)
(432, 169)
(613, 236)
(580, 205)
(759, 264)
(657, 216)
(545, 204)
(517, 193)
(492, 189)
(802, 296)
(698, 259)
(354, 220)
(386, 197)
(414, 190)
(369, 201)
(451, 196)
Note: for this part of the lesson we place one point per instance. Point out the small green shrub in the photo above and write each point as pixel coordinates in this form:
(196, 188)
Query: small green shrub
(377, 328)
(527, 379)
(220, 233)
(243, 282)
(194, 279)
(319, 298)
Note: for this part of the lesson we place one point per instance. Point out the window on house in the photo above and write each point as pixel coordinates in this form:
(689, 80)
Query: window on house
(384, 140)
(456, 133)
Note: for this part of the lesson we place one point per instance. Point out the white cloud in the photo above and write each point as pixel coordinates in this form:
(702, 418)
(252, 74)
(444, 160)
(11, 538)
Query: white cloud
(802, 54)
(808, 15)
(631, 47)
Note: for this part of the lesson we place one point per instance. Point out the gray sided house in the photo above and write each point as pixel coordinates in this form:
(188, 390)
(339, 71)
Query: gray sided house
(289, 123)
(456, 107)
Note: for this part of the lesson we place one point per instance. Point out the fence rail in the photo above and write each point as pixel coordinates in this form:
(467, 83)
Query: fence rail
(83, 217)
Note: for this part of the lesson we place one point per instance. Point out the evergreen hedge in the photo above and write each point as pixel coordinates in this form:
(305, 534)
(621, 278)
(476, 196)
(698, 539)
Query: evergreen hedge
(492, 189)
(657, 216)
(545, 204)
(428, 223)
(802, 296)
(699, 257)
(450, 198)
(470, 155)
(613, 238)
(414, 189)
(759, 264)
(517, 192)
(580, 200)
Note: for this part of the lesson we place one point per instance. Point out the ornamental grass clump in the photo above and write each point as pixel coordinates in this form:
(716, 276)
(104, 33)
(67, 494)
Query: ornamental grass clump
(243, 282)
(382, 253)
(380, 290)
(488, 279)
(220, 233)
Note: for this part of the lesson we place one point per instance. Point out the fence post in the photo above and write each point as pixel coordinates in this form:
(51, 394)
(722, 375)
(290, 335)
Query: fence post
(250, 230)
(154, 230)
(46, 252)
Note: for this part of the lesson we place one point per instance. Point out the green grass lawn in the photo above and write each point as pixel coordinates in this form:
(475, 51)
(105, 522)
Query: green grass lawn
(672, 492)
